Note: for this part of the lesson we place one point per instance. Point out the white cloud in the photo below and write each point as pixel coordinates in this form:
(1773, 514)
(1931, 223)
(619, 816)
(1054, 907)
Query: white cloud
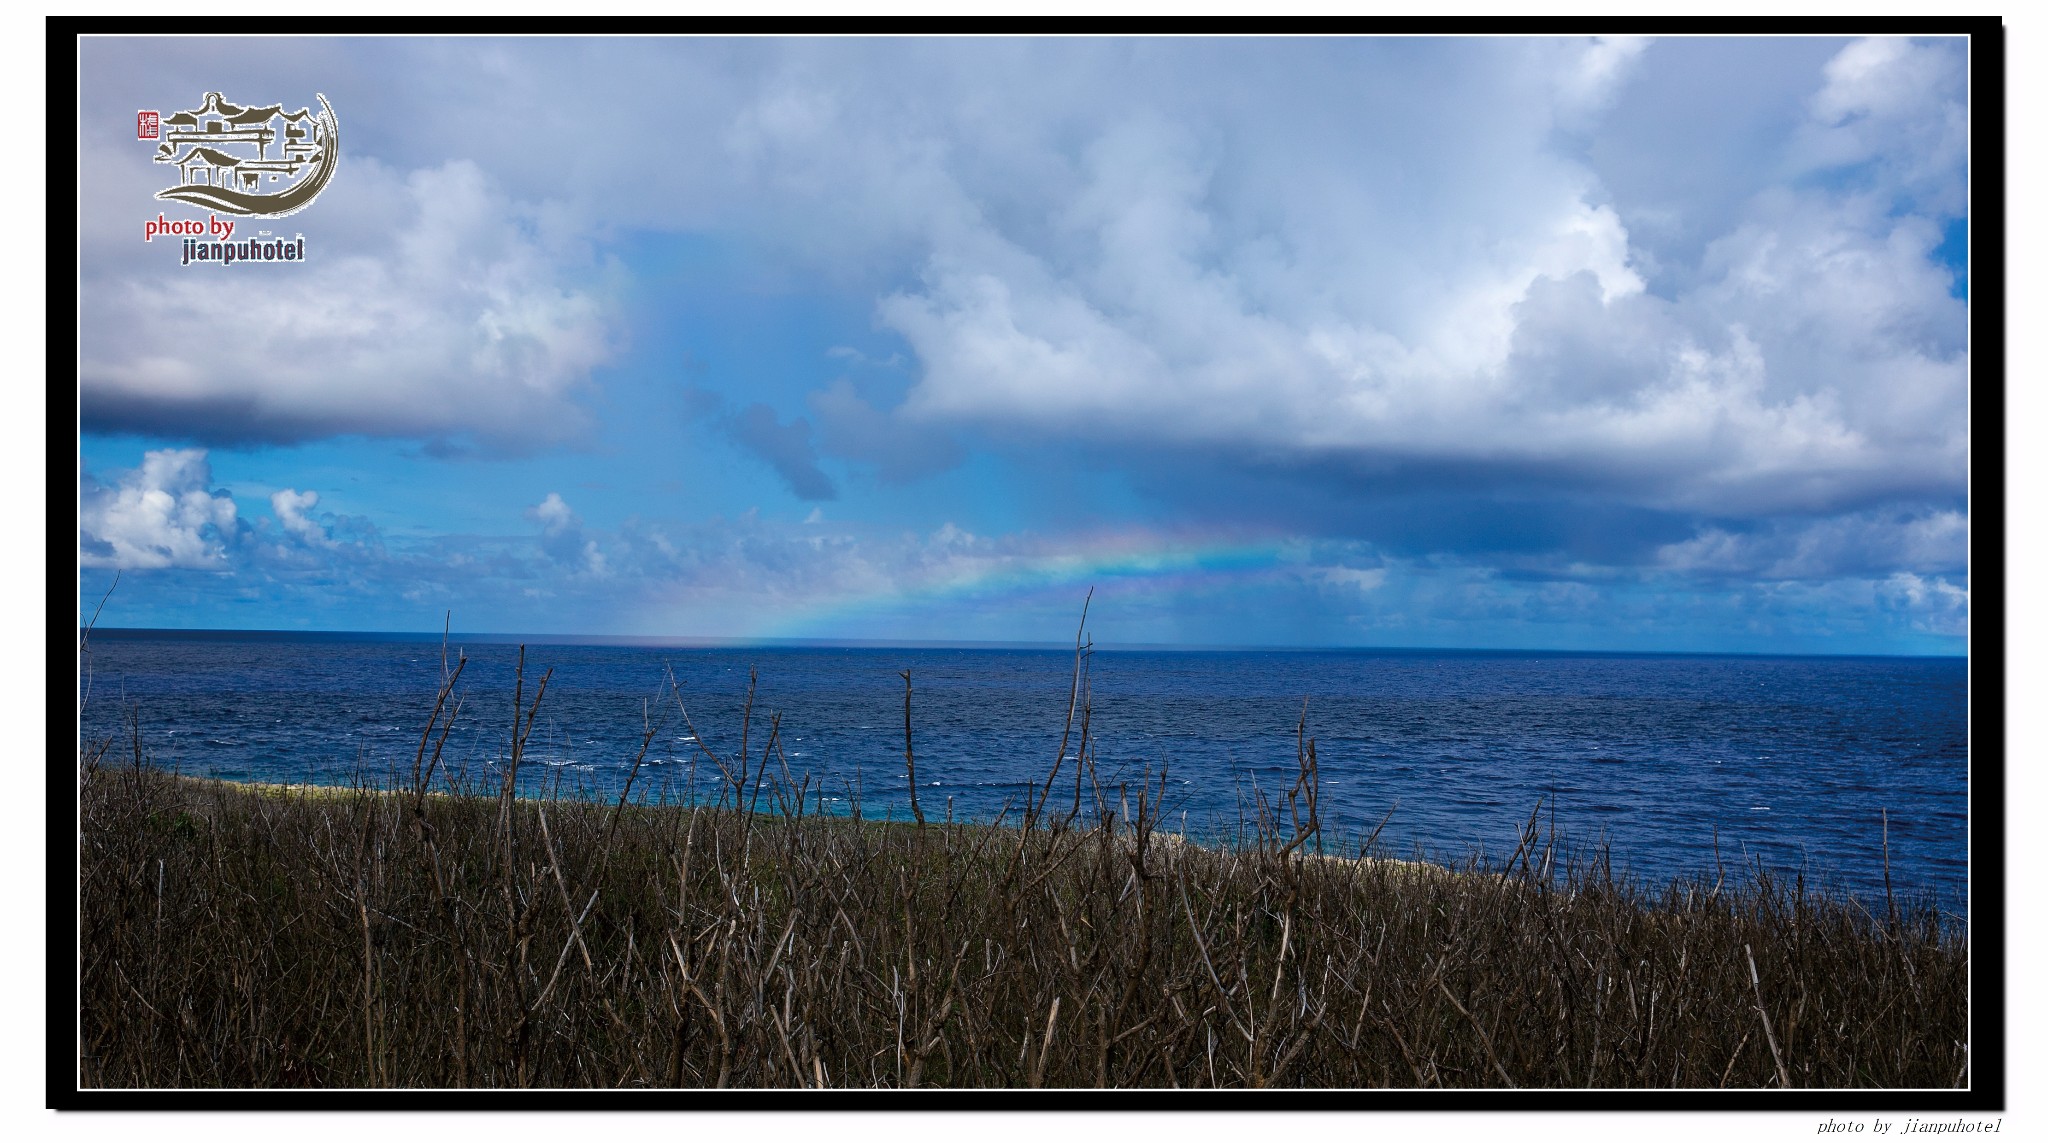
(1180, 294)
(161, 515)
(562, 537)
(1589, 81)
(1899, 105)
(1936, 605)
(1356, 579)
(1865, 543)
(553, 514)
(290, 506)
(430, 305)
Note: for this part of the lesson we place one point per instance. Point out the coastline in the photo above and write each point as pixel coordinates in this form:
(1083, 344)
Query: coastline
(313, 791)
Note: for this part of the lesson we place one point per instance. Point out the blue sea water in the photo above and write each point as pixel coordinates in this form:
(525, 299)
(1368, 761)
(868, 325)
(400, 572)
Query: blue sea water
(1794, 760)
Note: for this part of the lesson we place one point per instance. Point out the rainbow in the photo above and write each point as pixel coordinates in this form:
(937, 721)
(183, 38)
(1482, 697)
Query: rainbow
(1130, 564)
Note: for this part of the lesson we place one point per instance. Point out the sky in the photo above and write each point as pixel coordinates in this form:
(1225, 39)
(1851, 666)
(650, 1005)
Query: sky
(1573, 343)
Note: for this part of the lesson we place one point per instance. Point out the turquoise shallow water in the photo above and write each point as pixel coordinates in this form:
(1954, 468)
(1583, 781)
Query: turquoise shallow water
(1789, 759)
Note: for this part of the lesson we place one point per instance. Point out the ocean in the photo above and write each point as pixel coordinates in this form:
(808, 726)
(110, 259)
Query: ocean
(1818, 765)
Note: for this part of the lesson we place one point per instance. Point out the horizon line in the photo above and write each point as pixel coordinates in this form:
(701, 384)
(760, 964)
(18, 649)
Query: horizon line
(793, 643)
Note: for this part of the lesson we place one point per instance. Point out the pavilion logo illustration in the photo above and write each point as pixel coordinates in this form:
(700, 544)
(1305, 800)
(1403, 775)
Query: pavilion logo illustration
(240, 162)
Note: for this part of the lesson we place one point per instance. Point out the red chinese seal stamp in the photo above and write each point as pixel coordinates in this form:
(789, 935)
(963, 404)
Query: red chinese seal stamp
(145, 125)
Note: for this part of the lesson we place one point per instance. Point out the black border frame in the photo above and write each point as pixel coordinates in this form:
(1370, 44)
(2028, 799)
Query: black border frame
(1987, 1091)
